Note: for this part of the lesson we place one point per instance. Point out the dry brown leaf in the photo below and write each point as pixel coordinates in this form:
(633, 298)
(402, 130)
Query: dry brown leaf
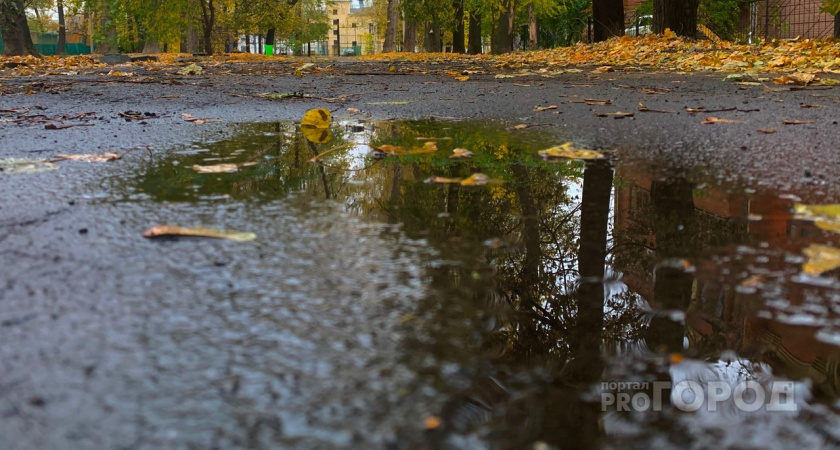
(218, 168)
(169, 230)
(604, 69)
(805, 105)
(389, 149)
(428, 147)
(711, 120)
(565, 151)
(443, 180)
(461, 153)
(767, 130)
(431, 423)
(796, 122)
(593, 102)
(478, 179)
(617, 115)
(91, 158)
(797, 78)
(353, 110)
(545, 108)
(821, 259)
(523, 126)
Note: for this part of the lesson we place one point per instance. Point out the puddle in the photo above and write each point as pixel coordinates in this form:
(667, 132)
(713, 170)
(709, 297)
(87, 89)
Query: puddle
(564, 286)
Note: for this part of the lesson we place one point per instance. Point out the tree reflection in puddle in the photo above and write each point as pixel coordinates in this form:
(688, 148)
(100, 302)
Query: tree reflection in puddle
(563, 278)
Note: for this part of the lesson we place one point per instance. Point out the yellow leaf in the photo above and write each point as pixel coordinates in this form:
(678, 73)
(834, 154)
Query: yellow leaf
(711, 120)
(443, 180)
(767, 130)
(603, 69)
(217, 168)
(428, 147)
(477, 179)
(317, 118)
(431, 423)
(668, 34)
(565, 151)
(104, 157)
(796, 122)
(545, 108)
(169, 230)
(461, 153)
(826, 217)
(821, 259)
(316, 135)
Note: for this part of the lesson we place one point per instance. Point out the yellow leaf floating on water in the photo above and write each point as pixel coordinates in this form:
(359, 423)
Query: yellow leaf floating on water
(461, 153)
(826, 217)
(316, 135)
(477, 179)
(15, 165)
(566, 151)
(217, 168)
(443, 180)
(170, 230)
(389, 149)
(316, 118)
(91, 158)
(821, 259)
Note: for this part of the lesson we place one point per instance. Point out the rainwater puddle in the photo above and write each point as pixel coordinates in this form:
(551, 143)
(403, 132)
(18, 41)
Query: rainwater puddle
(569, 304)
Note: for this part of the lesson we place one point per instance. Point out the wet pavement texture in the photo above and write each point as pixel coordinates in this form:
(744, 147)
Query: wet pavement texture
(376, 309)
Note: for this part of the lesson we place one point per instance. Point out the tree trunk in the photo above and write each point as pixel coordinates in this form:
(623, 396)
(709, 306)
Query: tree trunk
(433, 39)
(678, 15)
(391, 28)
(458, 32)
(269, 40)
(837, 25)
(503, 37)
(61, 47)
(15, 29)
(410, 42)
(208, 14)
(475, 32)
(532, 27)
(247, 43)
(608, 19)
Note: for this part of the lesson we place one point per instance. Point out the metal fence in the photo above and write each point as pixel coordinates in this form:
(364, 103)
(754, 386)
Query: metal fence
(47, 43)
(760, 19)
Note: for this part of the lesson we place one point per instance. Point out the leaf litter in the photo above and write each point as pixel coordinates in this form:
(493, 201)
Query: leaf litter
(172, 231)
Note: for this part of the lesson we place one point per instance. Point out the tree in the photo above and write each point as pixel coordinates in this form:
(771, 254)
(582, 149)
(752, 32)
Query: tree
(15, 29)
(502, 41)
(62, 29)
(608, 18)
(390, 44)
(458, 34)
(680, 16)
(474, 44)
(833, 7)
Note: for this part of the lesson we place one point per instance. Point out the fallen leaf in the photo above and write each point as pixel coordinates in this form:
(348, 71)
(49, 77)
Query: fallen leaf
(593, 102)
(821, 259)
(711, 120)
(477, 179)
(643, 108)
(753, 281)
(544, 108)
(317, 118)
(797, 78)
(117, 73)
(796, 122)
(169, 230)
(604, 69)
(197, 120)
(19, 166)
(400, 102)
(825, 217)
(428, 147)
(523, 126)
(565, 151)
(352, 110)
(461, 153)
(766, 130)
(431, 423)
(316, 135)
(192, 69)
(805, 105)
(91, 158)
(389, 149)
(617, 115)
(217, 168)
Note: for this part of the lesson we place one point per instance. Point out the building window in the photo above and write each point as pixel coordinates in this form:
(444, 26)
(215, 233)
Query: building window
(335, 12)
(335, 21)
(353, 24)
(335, 41)
(335, 32)
(370, 27)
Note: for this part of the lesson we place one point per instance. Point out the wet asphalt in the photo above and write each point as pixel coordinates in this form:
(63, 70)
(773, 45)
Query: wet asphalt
(109, 340)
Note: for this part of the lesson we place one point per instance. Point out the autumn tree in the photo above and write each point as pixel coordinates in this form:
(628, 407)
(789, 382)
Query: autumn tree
(680, 16)
(833, 7)
(15, 29)
(608, 18)
(391, 27)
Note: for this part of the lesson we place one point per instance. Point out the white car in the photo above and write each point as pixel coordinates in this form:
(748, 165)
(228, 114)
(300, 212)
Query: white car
(645, 24)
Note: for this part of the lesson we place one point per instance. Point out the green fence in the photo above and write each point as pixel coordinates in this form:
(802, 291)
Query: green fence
(47, 43)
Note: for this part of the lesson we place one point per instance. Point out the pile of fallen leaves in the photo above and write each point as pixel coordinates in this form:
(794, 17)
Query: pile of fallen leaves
(649, 52)
(664, 52)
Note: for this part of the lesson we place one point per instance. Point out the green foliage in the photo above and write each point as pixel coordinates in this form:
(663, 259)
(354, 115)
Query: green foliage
(565, 24)
(721, 16)
(831, 7)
